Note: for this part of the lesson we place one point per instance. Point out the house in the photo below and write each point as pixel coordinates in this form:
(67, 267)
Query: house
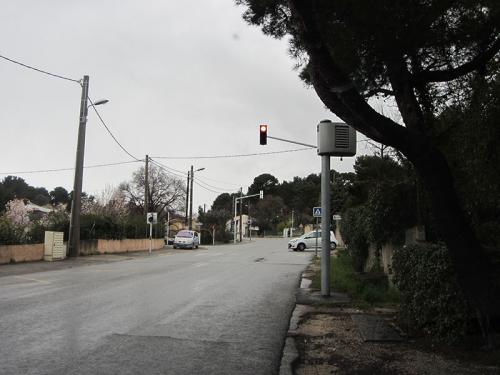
(249, 229)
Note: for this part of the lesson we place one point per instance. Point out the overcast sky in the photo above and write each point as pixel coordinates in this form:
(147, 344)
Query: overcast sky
(183, 79)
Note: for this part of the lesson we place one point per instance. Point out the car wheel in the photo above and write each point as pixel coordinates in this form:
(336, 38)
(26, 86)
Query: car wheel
(301, 247)
(175, 247)
(333, 245)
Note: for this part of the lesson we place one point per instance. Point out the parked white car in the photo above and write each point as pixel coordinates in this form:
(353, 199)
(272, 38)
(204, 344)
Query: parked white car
(187, 239)
(308, 241)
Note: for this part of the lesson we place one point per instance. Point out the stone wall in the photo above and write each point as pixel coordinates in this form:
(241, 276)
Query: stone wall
(21, 253)
(30, 253)
(412, 236)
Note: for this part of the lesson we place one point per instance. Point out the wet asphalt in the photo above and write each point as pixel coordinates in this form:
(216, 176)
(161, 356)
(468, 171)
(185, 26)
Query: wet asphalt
(215, 310)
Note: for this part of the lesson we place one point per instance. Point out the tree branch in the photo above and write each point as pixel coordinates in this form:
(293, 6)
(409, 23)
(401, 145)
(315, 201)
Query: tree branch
(450, 74)
(378, 91)
(337, 90)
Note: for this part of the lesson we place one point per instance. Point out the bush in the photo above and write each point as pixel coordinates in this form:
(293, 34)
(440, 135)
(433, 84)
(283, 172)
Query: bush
(10, 234)
(365, 289)
(353, 229)
(431, 299)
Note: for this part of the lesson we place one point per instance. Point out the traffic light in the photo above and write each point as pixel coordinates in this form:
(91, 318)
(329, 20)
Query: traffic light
(263, 134)
(152, 218)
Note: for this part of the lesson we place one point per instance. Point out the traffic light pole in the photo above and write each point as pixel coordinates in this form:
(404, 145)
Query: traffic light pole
(289, 141)
(241, 197)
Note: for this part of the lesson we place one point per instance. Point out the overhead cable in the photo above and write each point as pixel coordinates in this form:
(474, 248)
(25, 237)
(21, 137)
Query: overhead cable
(109, 131)
(231, 156)
(40, 70)
(69, 169)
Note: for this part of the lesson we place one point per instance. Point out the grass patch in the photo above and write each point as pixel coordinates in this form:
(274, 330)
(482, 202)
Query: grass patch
(366, 290)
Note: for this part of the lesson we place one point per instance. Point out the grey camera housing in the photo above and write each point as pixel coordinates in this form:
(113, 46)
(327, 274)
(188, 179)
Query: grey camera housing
(336, 139)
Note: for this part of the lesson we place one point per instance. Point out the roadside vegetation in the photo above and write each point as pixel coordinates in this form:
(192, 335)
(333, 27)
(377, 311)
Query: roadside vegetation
(371, 289)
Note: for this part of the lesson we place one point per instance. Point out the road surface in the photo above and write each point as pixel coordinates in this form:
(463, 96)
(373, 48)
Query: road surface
(218, 310)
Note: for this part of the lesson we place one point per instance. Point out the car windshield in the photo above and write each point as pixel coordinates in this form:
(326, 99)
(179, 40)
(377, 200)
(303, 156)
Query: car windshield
(184, 233)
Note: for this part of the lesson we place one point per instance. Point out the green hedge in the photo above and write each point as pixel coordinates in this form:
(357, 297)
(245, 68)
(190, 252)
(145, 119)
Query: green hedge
(431, 300)
(91, 227)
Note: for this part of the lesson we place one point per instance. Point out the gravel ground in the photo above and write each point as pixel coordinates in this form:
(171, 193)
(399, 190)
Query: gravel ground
(328, 342)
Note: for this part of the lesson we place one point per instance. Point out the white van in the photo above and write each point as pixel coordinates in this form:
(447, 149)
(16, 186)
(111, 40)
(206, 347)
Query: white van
(186, 239)
(308, 240)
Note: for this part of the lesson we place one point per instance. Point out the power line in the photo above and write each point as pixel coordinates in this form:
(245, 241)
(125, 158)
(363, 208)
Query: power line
(221, 190)
(69, 169)
(40, 70)
(197, 182)
(201, 180)
(222, 182)
(230, 156)
(208, 189)
(109, 131)
(166, 169)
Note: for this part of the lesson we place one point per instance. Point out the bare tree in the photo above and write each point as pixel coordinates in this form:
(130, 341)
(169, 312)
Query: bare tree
(165, 191)
(111, 201)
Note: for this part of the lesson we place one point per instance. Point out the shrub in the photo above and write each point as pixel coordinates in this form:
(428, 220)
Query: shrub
(431, 299)
(353, 229)
(10, 234)
(365, 289)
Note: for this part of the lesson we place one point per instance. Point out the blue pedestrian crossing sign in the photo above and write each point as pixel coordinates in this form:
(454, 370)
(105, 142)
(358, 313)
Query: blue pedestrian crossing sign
(316, 211)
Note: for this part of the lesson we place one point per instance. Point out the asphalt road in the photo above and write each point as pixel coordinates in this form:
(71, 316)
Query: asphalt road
(219, 310)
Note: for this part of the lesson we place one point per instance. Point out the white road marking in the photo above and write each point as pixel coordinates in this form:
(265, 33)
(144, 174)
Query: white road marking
(31, 279)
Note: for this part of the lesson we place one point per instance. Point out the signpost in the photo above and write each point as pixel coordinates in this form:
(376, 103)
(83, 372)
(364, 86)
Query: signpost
(317, 215)
(151, 218)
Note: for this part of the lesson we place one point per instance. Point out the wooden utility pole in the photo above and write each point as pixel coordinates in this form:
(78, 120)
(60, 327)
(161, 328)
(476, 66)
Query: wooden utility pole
(76, 203)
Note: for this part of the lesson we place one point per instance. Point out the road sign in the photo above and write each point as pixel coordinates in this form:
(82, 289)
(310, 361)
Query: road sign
(336, 217)
(316, 211)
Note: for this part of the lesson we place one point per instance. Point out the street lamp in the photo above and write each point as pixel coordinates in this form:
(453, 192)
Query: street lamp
(191, 198)
(76, 203)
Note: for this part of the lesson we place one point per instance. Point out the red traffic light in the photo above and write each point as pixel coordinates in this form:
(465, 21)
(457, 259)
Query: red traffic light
(263, 134)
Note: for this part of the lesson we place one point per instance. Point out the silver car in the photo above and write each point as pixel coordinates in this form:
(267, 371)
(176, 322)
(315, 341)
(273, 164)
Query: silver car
(308, 240)
(186, 239)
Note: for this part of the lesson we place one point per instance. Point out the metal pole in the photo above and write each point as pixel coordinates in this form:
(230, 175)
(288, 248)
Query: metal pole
(316, 247)
(191, 201)
(187, 201)
(150, 237)
(168, 225)
(146, 186)
(325, 225)
(235, 200)
(249, 223)
(241, 214)
(76, 204)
